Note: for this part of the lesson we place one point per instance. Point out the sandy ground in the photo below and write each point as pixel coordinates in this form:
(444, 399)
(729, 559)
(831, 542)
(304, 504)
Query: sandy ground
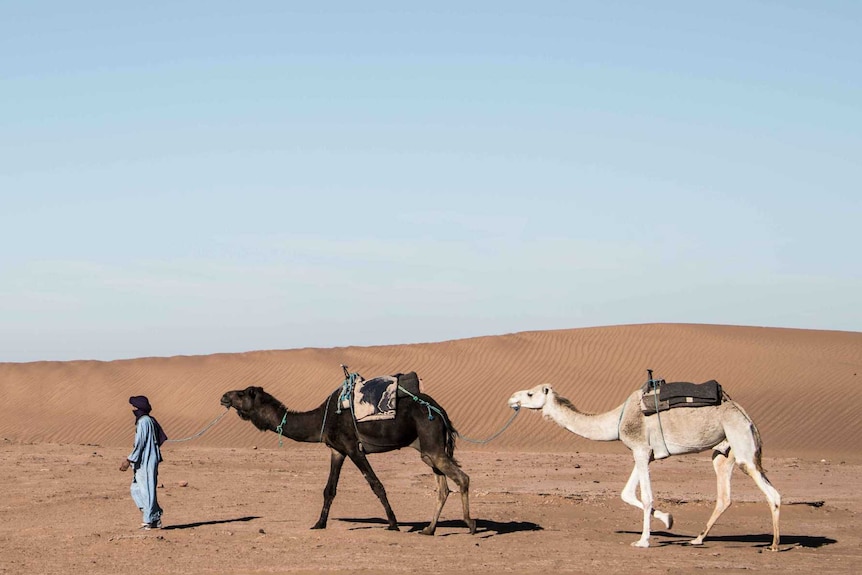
(546, 500)
(66, 509)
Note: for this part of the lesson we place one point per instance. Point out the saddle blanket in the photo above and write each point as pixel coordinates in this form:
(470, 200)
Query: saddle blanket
(679, 394)
(375, 399)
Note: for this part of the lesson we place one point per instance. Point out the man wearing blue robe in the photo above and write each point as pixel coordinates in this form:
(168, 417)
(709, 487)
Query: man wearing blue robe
(145, 457)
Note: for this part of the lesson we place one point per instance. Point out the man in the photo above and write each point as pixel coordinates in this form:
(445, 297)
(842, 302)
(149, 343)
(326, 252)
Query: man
(145, 457)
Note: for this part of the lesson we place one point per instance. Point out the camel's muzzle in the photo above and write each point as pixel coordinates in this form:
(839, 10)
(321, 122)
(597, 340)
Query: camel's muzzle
(225, 401)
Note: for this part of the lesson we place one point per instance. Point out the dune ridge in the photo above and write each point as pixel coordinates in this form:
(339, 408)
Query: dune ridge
(798, 385)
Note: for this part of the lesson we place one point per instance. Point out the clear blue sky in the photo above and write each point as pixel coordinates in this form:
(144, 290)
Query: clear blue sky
(197, 177)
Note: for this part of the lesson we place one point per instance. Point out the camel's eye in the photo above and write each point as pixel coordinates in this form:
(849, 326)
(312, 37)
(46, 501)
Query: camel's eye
(529, 394)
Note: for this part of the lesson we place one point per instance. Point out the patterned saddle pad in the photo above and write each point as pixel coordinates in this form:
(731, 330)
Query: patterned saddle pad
(375, 399)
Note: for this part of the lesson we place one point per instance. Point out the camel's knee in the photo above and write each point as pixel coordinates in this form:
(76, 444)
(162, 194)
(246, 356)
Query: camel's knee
(647, 501)
(442, 488)
(456, 474)
(630, 497)
(464, 483)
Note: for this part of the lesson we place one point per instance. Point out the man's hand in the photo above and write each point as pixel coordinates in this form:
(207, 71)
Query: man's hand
(125, 465)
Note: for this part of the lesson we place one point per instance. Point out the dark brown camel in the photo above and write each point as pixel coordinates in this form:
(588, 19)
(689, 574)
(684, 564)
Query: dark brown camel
(434, 438)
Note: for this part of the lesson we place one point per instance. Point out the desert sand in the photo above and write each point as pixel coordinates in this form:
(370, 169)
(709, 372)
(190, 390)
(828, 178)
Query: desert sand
(545, 499)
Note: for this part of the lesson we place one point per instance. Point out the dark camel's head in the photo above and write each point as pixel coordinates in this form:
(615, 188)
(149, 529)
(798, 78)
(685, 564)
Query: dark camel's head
(246, 401)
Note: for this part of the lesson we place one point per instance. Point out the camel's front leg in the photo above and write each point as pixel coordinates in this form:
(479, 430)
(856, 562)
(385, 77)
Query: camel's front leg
(335, 462)
(376, 486)
(629, 495)
(642, 467)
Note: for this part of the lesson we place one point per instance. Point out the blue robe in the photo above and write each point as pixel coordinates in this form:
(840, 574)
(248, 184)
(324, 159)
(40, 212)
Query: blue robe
(146, 456)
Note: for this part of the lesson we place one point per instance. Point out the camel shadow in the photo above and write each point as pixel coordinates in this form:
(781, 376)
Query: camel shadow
(216, 522)
(759, 540)
(484, 527)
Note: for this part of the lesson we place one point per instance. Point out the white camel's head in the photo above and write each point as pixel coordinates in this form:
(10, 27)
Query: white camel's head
(534, 398)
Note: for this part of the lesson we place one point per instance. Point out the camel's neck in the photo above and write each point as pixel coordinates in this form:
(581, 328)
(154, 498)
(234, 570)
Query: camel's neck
(295, 425)
(598, 427)
(302, 425)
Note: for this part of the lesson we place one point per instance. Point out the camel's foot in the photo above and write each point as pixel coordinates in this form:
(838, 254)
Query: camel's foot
(428, 531)
(773, 547)
(471, 523)
(665, 518)
(643, 543)
(698, 541)
(319, 525)
(393, 527)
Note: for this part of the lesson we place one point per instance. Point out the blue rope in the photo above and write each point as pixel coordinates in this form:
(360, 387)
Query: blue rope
(279, 428)
(423, 403)
(346, 394)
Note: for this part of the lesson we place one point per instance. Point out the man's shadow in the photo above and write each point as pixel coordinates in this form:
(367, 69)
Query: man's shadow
(484, 527)
(215, 522)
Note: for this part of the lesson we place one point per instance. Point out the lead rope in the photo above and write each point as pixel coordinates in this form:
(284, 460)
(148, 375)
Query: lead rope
(494, 436)
(201, 432)
(430, 407)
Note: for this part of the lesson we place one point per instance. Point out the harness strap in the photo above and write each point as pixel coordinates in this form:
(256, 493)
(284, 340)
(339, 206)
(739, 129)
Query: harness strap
(280, 428)
(654, 383)
(620, 422)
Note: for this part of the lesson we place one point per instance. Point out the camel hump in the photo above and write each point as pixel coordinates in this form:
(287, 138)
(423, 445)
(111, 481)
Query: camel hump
(409, 381)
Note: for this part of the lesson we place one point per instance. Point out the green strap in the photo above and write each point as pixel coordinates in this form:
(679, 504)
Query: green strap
(280, 428)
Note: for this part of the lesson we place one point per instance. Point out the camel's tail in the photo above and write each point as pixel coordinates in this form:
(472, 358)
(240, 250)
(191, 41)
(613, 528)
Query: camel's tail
(451, 433)
(448, 428)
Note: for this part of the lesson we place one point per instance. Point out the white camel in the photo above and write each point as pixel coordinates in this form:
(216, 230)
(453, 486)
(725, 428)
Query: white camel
(726, 428)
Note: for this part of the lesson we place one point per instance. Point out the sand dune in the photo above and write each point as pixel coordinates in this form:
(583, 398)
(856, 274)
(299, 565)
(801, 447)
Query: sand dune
(799, 386)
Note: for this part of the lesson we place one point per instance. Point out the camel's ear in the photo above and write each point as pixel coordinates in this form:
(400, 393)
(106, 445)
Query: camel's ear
(546, 389)
(251, 391)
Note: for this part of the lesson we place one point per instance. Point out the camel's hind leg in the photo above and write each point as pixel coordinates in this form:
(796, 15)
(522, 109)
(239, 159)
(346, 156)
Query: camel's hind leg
(723, 465)
(444, 466)
(772, 496)
(745, 444)
(442, 496)
(629, 495)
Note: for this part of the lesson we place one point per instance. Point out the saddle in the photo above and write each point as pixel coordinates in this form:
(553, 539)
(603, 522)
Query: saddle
(375, 399)
(658, 395)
